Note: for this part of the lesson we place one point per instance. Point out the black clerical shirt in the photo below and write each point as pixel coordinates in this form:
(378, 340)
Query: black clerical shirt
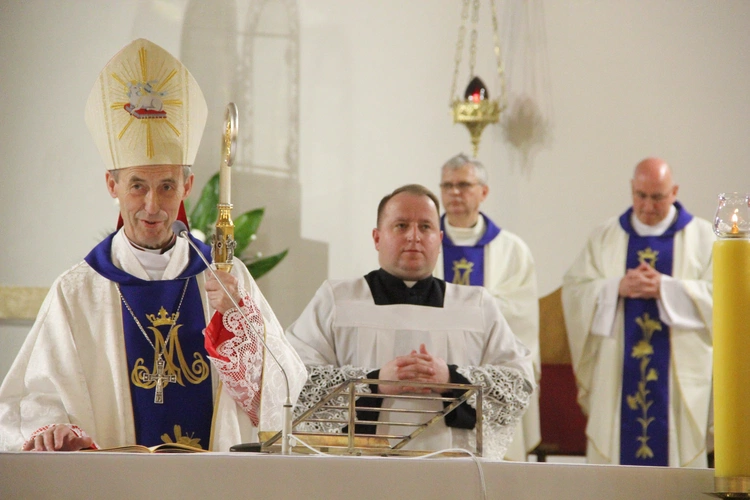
(387, 290)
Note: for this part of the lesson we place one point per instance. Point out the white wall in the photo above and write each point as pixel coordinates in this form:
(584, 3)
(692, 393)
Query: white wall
(621, 79)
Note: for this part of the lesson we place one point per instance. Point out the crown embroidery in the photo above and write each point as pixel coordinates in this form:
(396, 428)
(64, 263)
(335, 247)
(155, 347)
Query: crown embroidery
(648, 256)
(462, 271)
(163, 318)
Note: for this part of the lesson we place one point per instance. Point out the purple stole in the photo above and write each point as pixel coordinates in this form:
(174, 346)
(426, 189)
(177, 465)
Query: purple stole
(464, 265)
(644, 413)
(187, 410)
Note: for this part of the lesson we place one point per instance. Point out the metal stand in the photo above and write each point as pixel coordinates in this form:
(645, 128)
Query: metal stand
(341, 407)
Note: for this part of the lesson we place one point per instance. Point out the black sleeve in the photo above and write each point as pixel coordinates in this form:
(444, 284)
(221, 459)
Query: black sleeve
(368, 402)
(463, 417)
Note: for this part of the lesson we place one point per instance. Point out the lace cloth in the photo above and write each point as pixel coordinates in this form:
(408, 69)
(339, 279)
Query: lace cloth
(242, 373)
(506, 395)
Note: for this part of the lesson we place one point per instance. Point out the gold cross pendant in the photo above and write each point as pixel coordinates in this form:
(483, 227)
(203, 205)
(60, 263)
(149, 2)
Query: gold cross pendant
(161, 379)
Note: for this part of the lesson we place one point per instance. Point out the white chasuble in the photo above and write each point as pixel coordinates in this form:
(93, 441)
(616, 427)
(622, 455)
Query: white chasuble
(72, 368)
(343, 334)
(598, 358)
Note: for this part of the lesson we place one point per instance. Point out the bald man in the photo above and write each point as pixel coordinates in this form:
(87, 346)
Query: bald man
(637, 303)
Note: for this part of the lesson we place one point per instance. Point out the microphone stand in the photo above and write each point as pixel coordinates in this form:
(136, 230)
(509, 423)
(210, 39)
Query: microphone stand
(179, 228)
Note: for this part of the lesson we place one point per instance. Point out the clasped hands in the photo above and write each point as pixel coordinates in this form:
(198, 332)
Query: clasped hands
(643, 282)
(416, 366)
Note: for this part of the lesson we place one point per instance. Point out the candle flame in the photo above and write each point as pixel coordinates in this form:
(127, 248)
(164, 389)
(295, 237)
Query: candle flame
(735, 229)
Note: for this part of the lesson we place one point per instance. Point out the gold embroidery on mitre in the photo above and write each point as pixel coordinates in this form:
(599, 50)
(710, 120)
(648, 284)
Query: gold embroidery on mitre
(462, 271)
(639, 400)
(168, 346)
(144, 92)
(146, 109)
(649, 256)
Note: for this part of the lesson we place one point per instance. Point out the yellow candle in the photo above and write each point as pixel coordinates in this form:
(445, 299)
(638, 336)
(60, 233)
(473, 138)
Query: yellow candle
(731, 318)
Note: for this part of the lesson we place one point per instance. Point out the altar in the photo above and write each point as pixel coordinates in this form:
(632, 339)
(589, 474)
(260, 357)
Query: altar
(270, 476)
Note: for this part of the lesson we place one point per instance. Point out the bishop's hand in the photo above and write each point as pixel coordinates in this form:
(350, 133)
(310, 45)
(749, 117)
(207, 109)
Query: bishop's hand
(217, 298)
(57, 438)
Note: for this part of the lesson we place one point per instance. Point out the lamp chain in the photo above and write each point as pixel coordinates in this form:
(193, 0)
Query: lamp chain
(498, 54)
(459, 47)
(473, 47)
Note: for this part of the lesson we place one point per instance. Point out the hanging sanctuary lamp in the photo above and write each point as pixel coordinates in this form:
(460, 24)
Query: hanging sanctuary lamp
(476, 110)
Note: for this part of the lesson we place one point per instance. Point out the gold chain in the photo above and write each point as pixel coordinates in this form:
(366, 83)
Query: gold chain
(459, 48)
(140, 327)
(473, 46)
(498, 55)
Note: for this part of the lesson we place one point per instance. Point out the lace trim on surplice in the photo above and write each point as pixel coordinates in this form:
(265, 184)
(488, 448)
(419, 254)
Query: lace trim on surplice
(321, 380)
(505, 398)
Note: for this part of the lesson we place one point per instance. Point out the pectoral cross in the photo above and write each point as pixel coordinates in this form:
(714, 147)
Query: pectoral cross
(161, 379)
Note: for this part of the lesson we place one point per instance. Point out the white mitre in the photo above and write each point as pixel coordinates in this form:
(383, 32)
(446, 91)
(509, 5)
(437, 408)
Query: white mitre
(146, 109)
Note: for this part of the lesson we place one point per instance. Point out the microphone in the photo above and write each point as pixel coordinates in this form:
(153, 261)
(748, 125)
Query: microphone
(180, 229)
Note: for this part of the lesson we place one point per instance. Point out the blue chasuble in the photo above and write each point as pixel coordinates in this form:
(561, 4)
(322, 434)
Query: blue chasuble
(186, 413)
(644, 414)
(464, 265)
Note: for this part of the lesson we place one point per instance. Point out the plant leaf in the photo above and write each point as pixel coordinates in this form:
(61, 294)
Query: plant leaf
(260, 267)
(245, 226)
(205, 213)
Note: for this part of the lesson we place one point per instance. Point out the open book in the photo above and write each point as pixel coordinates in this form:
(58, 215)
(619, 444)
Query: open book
(160, 448)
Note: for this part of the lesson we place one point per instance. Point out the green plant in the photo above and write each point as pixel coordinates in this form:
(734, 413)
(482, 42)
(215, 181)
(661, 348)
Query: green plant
(203, 217)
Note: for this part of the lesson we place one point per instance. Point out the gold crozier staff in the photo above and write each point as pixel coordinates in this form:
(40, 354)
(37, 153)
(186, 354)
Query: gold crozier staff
(222, 241)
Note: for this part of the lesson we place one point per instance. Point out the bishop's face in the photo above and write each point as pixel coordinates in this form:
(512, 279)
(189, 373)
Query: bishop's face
(408, 237)
(150, 199)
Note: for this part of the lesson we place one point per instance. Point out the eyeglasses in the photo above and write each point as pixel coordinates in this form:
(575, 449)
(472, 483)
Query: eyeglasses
(461, 186)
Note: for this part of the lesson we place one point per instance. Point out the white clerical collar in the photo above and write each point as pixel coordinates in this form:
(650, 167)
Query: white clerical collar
(466, 236)
(657, 229)
(154, 261)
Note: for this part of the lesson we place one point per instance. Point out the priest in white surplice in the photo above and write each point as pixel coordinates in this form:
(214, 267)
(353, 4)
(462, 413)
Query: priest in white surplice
(117, 355)
(637, 305)
(477, 252)
(401, 323)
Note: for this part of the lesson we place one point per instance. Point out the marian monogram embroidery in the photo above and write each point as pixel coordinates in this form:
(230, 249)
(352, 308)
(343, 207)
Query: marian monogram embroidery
(648, 256)
(462, 272)
(640, 400)
(194, 372)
